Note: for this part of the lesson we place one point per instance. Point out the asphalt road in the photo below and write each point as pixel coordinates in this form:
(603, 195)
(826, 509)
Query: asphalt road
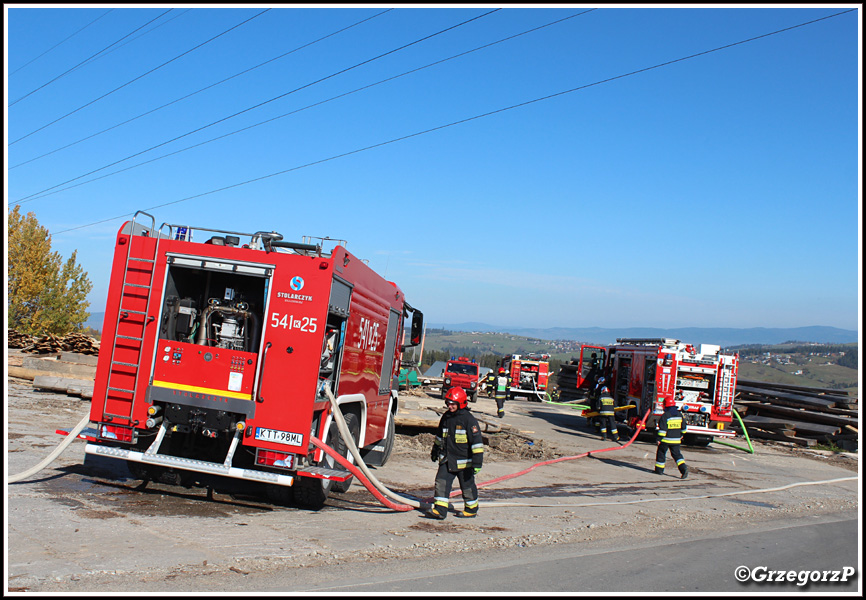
(819, 548)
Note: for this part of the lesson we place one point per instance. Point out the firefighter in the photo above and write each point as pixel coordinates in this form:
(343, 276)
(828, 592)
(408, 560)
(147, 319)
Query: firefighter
(491, 383)
(606, 413)
(670, 430)
(501, 393)
(459, 450)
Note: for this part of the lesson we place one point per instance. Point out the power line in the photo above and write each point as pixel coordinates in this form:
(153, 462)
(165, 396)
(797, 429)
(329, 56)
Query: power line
(203, 89)
(259, 105)
(32, 60)
(89, 58)
(343, 95)
(142, 75)
(467, 120)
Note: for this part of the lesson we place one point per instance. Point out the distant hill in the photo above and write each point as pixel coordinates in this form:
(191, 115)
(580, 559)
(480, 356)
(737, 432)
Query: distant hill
(723, 336)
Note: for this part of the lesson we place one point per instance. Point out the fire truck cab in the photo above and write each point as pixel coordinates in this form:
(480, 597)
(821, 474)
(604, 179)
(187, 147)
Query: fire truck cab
(216, 355)
(527, 375)
(644, 372)
(463, 373)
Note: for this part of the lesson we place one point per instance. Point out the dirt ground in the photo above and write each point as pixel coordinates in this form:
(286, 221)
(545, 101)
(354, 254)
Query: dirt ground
(83, 524)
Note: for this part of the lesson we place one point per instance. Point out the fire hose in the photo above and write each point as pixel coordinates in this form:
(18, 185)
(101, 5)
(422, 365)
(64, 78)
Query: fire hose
(54, 454)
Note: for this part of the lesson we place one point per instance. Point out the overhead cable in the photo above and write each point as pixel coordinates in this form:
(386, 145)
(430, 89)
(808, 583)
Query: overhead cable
(89, 58)
(140, 76)
(259, 105)
(32, 60)
(260, 123)
(461, 121)
(203, 89)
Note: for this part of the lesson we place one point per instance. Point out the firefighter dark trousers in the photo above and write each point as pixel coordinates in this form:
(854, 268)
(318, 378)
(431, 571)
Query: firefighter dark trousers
(676, 454)
(444, 481)
(500, 405)
(608, 423)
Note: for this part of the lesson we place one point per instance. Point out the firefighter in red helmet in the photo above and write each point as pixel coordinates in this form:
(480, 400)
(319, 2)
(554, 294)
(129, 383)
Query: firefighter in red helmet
(459, 450)
(501, 392)
(670, 431)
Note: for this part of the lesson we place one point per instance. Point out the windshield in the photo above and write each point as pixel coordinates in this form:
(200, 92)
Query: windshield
(462, 369)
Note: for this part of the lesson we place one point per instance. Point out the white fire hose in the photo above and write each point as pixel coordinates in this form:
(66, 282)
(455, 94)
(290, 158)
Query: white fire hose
(359, 462)
(54, 454)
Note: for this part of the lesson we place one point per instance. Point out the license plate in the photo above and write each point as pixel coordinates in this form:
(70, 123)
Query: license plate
(279, 437)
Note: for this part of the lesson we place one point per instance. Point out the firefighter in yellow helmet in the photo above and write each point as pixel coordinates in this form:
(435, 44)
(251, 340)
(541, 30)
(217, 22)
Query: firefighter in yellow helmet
(671, 427)
(606, 412)
(459, 450)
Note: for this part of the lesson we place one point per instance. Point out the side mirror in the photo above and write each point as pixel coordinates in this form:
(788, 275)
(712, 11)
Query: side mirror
(417, 327)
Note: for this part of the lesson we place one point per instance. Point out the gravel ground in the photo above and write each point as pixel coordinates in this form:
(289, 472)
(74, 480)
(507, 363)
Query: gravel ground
(84, 525)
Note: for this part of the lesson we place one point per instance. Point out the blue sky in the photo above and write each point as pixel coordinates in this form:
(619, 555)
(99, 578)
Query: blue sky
(662, 189)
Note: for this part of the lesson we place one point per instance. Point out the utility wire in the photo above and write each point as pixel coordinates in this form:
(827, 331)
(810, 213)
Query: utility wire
(142, 75)
(130, 40)
(91, 57)
(260, 123)
(260, 104)
(203, 89)
(467, 120)
(60, 42)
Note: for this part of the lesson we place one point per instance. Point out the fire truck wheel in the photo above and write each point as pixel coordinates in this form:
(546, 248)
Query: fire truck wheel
(311, 492)
(390, 434)
(354, 426)
(474, 396)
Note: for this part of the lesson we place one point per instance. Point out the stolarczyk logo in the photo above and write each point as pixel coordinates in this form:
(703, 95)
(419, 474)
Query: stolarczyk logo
(297, 283)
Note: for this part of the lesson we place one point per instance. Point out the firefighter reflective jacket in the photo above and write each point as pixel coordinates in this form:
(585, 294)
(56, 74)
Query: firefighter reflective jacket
(605, 402)
(501, 386)
(671, 426)
(458, 441)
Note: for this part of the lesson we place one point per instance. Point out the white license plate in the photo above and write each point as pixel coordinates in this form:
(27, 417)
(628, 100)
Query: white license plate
(279, 437)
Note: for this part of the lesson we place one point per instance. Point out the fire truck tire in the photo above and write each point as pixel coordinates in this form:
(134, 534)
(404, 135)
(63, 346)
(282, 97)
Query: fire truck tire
(474, 396)
(354, 425)
(390, 434)
(312, 492)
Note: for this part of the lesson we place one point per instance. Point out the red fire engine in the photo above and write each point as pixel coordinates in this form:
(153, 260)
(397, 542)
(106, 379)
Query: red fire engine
(463, 373)
(527, 375)
(215, 357)
(644, 372)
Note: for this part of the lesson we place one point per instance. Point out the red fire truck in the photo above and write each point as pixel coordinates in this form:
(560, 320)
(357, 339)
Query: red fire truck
(216, 354)
(463, 373)
(527, 375)
(644, 372)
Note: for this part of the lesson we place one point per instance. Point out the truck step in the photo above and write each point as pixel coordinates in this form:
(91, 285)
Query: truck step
(325, 473)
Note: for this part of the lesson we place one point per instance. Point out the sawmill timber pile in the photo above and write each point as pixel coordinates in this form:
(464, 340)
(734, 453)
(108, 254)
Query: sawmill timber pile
(802, 415)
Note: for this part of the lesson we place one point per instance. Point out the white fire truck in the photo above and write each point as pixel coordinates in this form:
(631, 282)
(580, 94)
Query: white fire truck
(644, 372)
(216, 355)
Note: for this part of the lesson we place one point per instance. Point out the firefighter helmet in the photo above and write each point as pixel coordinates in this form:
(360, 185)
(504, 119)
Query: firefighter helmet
(670, 402)
(456, 395)
(601, 380)
(501, 371)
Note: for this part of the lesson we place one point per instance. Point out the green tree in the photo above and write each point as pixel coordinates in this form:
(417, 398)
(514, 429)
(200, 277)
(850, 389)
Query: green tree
(46, 294)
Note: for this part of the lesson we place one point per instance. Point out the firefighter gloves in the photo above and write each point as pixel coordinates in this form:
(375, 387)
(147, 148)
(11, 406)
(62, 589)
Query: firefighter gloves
(434, 454)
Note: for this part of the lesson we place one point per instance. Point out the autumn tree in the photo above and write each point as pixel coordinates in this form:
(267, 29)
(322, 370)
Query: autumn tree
(46, 294)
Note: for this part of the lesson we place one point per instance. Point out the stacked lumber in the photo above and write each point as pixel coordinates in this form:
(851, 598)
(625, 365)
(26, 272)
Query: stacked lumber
(52, 344)
(16, 339)
(801, 415)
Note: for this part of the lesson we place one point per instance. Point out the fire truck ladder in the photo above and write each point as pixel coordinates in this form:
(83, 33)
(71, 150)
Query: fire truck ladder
(130, 289)
(727, 386)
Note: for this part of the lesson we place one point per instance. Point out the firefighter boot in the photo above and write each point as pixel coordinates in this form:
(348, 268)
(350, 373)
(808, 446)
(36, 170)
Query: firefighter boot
(470, 511)
(438, 512)
(684, 471)
(500, 413)
(660, 471)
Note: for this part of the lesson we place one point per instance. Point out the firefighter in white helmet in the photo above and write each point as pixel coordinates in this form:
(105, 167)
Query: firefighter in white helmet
(459, 450)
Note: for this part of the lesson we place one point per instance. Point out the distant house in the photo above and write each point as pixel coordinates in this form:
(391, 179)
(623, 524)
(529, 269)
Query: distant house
(436, 369)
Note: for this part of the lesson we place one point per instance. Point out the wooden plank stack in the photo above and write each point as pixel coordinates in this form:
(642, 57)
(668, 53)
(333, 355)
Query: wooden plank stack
(801, 415)
(52, 344)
